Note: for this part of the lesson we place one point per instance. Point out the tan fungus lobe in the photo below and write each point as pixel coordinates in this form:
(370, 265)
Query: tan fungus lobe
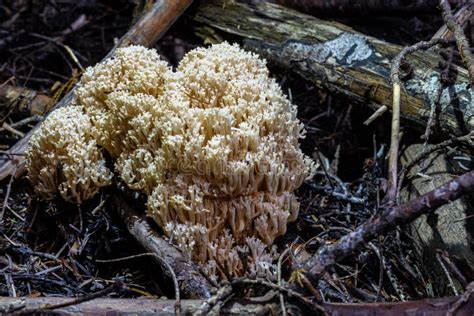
(63, 158)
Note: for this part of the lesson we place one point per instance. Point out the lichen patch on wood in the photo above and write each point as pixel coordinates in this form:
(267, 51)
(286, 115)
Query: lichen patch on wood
(459, 93)
(346, 48)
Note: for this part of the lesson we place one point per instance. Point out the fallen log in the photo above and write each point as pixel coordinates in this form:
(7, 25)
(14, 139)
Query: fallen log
(192, 284)
(256, 306)
(335, 57)
(146, 31)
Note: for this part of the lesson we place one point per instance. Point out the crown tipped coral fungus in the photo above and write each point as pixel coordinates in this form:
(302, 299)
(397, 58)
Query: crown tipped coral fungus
(63, 157)
(214, 145)
(238, 157)
(120, 88)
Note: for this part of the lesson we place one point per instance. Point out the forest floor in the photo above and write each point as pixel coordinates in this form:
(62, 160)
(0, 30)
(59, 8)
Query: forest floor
(51, 248)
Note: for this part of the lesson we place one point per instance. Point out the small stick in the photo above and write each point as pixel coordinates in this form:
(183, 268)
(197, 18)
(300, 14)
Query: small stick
(381, 110)
(394, 143)
(447, 274)
(282, 297)
(287, 291)
(11, 129)
(191, 282)
(463, 299)
(7, 196)
(32, 119)
(461, 17)
(445, 257)
(208, 305)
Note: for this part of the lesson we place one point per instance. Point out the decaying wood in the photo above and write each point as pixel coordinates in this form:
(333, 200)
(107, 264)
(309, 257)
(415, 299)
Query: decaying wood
(143, 306)
(23, 100)
(336, 57)
(448, 228)
(388, 219)
(192, 283)
(146, 31)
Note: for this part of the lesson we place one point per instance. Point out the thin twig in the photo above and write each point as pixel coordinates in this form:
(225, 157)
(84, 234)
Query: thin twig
(9, 128)
(462, 17)
(394, 143)
(447, 274)
(347, 197)
(462, 300)
(208, 305)
(459, 276)
(381, 110)
(287, 291)
(7, 196)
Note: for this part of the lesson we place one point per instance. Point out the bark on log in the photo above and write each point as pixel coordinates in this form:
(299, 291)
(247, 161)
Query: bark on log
(336, 57)
(192, 284)
(143, 306)
(449, 228)
(148, 29)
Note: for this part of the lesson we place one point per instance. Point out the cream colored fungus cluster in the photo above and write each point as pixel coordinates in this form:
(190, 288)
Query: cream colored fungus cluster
(214, 146)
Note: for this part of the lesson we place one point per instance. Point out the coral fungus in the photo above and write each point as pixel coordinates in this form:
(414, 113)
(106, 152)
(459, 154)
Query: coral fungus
(213, 144)
(63, 157)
